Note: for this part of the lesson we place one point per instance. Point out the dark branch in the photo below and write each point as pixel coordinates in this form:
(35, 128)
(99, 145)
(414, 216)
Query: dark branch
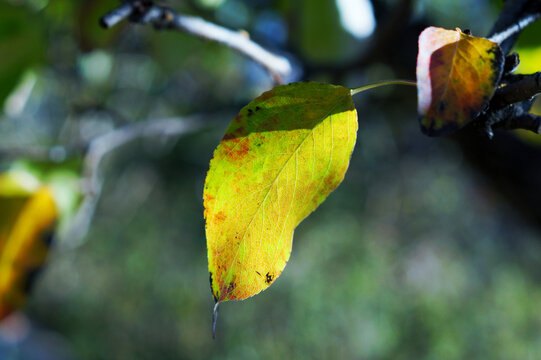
(522, 88)
(508, 109)
(117, 15)
(515, 29)
(161, 17)
(513, 11)
(526, 121)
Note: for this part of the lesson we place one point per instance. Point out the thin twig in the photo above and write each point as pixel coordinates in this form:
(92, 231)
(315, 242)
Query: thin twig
(146, 12)
(42, 153)
(500, 37)
(115, 16)
(513, 11)
(105, 144)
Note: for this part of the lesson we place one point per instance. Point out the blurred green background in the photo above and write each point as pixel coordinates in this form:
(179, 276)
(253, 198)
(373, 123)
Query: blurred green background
(430, 249)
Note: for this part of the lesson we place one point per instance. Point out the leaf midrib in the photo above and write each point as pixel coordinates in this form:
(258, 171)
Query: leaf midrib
(452, 69)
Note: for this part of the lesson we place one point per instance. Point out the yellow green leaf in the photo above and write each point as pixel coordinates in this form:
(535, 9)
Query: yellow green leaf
(279, 159)
(529, 60)
(26, 224)
(457, 75)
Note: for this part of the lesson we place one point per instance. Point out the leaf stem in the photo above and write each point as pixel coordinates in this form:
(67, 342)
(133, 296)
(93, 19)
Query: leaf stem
(382, 83)
(214, 319)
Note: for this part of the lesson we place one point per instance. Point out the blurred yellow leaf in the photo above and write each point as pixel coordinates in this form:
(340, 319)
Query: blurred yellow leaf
(529, 60)
(25, 227)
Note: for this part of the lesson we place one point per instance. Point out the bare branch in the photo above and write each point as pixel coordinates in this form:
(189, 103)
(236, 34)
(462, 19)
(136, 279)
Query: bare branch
(146, 12)
(512, 12)
(508, 109)
(115, 16)
(42, 153)
(515, 28)
(105, 144)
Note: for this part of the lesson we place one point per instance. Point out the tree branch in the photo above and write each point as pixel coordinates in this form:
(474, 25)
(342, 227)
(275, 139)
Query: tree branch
(500, 37)
(146, 12)
(511, 14)
(526, 121)
(522, 88)
(102, 145)
(115, 16)
(508, 108)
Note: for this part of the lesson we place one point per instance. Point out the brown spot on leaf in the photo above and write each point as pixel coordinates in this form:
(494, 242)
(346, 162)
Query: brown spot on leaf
(330, 182)
(240, 150)
(220, 217)
(229, 142)
(268, 278)
(208, 197)
(227, 289)
(237, 133)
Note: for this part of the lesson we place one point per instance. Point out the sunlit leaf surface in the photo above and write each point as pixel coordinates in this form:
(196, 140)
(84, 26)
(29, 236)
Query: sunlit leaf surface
(457, 75)
(279, 159)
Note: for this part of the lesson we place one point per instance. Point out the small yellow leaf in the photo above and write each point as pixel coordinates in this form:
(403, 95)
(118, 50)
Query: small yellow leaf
(279, 159)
